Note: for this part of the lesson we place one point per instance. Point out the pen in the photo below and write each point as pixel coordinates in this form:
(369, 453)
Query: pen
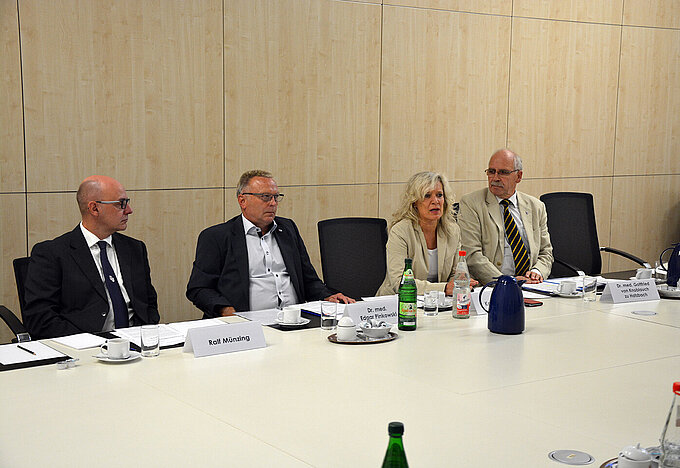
(27, 350)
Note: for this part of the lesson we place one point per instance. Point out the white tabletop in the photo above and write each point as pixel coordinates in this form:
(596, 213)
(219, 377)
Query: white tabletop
(591, 377)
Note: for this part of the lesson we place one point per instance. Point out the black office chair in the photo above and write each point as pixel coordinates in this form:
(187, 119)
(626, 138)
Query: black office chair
(573, 234)
(7, 316)
(20, 271)
(353, 258)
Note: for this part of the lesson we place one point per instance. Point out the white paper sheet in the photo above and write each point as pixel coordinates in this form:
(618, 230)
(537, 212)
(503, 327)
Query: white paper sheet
(265, 317)
(268, 316)
(80, 341)
(168, 336)
(12, 354)
(184, 327)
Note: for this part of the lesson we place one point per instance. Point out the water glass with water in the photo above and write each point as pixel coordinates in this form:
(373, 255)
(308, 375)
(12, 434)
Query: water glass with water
(589, 288)
(430, 302)
(150, 340)
(329, 315)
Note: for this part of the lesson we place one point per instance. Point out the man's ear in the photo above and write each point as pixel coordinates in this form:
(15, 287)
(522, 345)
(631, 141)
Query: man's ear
(93, 208)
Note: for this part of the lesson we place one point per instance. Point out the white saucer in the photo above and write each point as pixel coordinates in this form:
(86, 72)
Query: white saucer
(134, 355)
(664, 292)
(303, 321)
(574, 294)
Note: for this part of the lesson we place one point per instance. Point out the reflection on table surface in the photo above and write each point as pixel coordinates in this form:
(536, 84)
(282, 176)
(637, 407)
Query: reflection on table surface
(590, 377)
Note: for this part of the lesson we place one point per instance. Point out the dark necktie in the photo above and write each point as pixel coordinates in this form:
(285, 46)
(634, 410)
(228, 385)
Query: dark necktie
(519, 251)
(120, 311)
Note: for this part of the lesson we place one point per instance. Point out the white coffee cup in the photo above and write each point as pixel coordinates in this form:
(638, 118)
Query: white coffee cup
(567, 287)
(643, 273)
(289, 315)
(116, 348)
(634, 457)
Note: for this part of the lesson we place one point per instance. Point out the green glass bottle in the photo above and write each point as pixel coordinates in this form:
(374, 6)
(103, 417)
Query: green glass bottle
(395, 457)
(407, 298)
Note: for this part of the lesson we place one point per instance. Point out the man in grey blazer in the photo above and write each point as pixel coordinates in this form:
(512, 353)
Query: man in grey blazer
(483, 226)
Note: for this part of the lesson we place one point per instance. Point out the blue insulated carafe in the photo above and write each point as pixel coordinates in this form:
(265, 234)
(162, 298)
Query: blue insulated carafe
(506, 308)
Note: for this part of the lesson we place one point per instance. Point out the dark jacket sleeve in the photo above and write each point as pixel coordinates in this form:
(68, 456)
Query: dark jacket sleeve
(314, 288)
(43, 316)
(151, 298)
(202, 289)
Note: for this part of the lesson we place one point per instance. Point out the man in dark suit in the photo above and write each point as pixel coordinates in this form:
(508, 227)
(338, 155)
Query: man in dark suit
(91, 279)
(256, 260)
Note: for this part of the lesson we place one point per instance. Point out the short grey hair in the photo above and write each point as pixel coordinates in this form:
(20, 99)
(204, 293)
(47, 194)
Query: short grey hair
(246, 177)
(518, 161)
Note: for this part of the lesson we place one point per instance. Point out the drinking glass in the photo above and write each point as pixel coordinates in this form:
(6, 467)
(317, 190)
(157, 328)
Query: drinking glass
(150, 340)
(659, 273)
(329, 311)
(430, 301)
(589, 288)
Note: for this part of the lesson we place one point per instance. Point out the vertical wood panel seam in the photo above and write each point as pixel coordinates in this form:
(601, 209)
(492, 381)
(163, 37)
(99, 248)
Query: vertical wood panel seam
(223, 193)
(616, 126)
(23, 125)
(507, 115)
(380, 73)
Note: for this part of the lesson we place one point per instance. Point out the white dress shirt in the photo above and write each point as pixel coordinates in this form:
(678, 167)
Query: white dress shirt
(433, 262)
(270, 285)
(508, 267)
(91, 240)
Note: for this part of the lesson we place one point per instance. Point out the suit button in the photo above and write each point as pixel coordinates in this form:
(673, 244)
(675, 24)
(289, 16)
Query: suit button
(498, 263)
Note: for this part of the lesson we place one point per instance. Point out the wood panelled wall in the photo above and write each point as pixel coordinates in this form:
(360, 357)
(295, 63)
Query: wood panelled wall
(342, 101)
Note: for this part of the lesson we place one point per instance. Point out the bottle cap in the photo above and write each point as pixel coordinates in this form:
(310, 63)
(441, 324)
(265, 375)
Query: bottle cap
(395, 428)
(462, 253)
(676, 388)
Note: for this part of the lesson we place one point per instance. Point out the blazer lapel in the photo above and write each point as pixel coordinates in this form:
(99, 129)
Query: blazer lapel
(286, 245)
(83, 258)
(125, 262)
(239, 256)
(527, 221)
(495, 213)
(443, 269)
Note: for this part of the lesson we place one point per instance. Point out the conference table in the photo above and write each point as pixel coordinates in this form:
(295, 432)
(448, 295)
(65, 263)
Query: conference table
(592, 377)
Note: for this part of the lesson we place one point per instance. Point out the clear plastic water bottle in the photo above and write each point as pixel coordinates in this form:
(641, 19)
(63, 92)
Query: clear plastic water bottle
(461, 289)
(670, 437)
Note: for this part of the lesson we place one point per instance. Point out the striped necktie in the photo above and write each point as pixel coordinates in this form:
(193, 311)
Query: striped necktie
(519, 251)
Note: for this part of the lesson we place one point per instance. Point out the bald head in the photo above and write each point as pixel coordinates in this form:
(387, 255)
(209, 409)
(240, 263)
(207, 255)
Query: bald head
(103, 219)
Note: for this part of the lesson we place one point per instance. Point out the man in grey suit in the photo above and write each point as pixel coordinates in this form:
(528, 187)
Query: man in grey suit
(505, 231)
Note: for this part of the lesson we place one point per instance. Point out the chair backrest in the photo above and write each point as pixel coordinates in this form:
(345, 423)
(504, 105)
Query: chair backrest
(573, 233)
(20, 270)
(353, 256)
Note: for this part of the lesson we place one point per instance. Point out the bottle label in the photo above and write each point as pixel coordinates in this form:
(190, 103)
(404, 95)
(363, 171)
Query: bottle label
(407, 276)
(462, 304)
(407, 313)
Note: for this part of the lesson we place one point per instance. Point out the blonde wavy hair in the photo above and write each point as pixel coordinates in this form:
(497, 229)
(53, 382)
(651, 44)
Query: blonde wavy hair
(416, 188)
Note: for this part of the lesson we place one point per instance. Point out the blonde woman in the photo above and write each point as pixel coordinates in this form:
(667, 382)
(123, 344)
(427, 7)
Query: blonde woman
(424, 230)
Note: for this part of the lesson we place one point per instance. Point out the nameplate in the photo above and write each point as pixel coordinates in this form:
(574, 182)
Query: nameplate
(479, 305)
(621, 292)
(380, 309)
(227, 338)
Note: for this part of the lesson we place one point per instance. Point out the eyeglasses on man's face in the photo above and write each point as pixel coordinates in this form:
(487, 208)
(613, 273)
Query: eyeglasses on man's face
(265, 197)
(121, 204)
(500, 172)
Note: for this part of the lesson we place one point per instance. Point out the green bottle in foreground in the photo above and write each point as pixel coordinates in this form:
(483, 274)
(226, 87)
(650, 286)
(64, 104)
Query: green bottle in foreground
(395, 457)
(407, 298)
